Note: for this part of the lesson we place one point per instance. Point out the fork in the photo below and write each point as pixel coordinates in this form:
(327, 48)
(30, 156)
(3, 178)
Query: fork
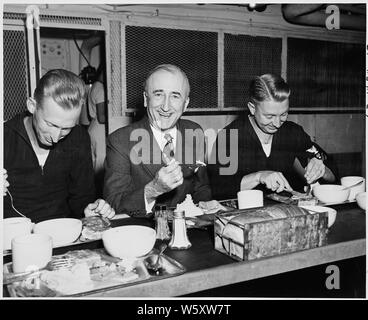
(55, 263)
(12, 204)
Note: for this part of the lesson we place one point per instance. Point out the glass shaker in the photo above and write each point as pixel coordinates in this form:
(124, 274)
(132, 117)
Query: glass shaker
(162, 226)
(179, 239)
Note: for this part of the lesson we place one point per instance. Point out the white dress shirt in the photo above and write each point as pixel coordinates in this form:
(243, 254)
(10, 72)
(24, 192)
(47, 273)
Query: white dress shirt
(160, 138)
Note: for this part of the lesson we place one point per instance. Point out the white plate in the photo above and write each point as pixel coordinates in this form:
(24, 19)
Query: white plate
(320, 203)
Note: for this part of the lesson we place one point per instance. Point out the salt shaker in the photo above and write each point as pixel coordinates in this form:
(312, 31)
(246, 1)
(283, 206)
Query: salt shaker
(162, 226)
(179, 238)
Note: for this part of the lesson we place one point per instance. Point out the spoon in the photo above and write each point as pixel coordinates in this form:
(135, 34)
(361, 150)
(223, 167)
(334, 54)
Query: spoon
(354, 185)
(12, 204)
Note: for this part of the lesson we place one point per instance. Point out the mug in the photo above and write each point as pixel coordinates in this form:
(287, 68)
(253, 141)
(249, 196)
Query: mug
(250, 199)
(349, 181)
(14, 227)
(31, 252)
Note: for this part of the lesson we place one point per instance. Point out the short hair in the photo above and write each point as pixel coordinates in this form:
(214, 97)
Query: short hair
(268, 87)
(64, 87)
(169, 68)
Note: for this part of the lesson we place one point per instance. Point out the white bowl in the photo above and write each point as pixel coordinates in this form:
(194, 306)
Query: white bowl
(331, 193)
(349, 181)
(361, 200)
(62, 231)
(131, 241)
(14, 227)
(331, 212)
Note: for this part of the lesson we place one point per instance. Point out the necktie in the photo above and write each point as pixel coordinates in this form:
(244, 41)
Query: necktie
(168, 148)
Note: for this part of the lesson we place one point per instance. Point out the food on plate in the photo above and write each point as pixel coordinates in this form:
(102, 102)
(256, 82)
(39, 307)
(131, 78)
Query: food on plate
(33, 287)
(297, 198)
(190, 209)
(69, 281)
(91, 270)
(91, 258)
(307, 201)
(93, 227)
(210, 207)
(114, 272)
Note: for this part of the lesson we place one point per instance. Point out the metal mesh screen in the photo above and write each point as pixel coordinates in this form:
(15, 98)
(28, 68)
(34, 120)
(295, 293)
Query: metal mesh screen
(15, 73)
(115, 55)
(247, 57)
(326, 74)
(195, 52)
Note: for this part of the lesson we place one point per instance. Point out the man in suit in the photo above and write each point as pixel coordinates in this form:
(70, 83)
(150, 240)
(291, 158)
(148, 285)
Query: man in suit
(153, 160)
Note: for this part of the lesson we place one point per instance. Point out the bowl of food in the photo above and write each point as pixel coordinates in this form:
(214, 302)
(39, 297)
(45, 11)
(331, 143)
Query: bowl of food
(356, 183)
(130, 241)
(361, 200)
(331, 193)
(63, 231)
(331, 212)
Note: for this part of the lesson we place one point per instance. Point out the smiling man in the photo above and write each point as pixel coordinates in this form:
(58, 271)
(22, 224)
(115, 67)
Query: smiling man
(134, 187)
(47, 156)
(273, 153)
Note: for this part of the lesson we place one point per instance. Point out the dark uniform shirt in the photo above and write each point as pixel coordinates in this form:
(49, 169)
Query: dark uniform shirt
(288, 143)
(63, 187)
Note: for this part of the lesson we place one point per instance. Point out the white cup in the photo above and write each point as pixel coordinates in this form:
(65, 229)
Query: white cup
(349, 181)
(14, 227)
(31, 252)
(250, 199)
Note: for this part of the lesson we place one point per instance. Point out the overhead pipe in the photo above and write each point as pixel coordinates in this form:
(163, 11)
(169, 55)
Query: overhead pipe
(33, 41)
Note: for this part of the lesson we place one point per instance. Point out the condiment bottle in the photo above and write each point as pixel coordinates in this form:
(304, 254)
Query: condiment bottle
(162, 226)
(179, 239)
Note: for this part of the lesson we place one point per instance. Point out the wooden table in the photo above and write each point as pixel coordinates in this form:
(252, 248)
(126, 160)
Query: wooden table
(208, 268)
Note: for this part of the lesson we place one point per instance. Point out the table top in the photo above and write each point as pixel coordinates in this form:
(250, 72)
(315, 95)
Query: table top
(207, 268)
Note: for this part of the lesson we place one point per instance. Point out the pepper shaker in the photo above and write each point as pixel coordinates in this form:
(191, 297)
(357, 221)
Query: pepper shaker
(179, 238)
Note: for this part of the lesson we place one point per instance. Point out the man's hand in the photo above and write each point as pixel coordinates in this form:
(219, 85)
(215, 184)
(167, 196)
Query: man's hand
(166, 179)
(99, 207)
(314, 170)
(274, 181)
(5, 181)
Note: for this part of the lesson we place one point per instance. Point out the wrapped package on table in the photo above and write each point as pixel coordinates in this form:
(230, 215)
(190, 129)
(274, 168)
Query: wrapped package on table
(255, 233)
